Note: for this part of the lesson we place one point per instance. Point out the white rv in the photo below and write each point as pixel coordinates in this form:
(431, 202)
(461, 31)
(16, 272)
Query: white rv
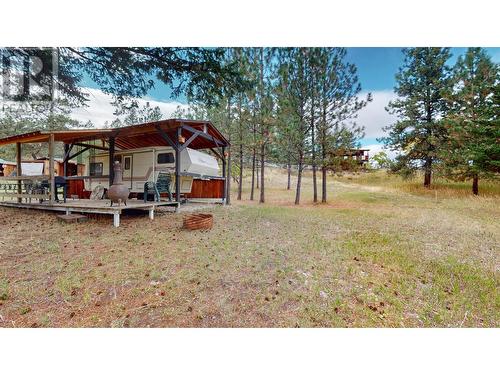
(145, 164)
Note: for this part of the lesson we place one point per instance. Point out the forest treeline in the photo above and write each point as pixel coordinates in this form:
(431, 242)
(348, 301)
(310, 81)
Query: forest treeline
(302, 105)
(293, 106)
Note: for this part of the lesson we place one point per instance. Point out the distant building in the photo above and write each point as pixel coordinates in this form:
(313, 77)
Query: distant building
(349, 159)
(360, 155)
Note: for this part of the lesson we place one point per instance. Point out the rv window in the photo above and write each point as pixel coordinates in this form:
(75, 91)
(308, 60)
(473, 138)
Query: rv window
(96, 169)
(165, 158)
(127, 163)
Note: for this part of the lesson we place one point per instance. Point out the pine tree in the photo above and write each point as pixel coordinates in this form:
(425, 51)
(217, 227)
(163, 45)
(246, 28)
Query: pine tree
(133, 113)
(295, 76)
(315, 80)
(339, 103)
(472, 150)
(421, 84)
(200, 73)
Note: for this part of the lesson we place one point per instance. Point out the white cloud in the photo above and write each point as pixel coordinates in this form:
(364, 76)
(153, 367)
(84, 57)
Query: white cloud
(376, 148)
(374, 116)
(99, 108)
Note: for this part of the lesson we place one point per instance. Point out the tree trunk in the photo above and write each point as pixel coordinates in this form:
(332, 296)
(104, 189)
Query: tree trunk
(253, 175)
(289, 172)
(257, 173)
(240, 185)
(323, 185)
(323, 143)
(299, 179)
(313, 146)
(315, 185)
(262, 127)
(241, 170)
(475, 185)
(262, 166)
(428, 173)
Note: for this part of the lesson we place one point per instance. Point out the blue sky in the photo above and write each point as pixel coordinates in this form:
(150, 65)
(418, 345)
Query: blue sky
(377, 66)
(376, 70)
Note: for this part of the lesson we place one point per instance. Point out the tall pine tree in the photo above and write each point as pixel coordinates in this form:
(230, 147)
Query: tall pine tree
(339, 103)
(421, 84)
(473, 150)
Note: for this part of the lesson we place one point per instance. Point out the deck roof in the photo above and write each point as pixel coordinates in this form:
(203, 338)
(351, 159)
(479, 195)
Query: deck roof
(131, 137)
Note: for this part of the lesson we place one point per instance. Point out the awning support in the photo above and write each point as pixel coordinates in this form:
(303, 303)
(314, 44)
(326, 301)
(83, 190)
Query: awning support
(190, 139)
(77, 153)
(111, 160)
(88, 145)
(165, 136)
(19, 170)
(216, 153)
(177, 169)
(224, 193)
(51, 170)
(201, 134)
(67, 149)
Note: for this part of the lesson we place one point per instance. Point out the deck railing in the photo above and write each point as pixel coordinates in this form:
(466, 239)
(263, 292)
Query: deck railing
(25, 187)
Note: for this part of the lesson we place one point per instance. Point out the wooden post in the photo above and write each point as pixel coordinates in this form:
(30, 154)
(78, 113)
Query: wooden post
(111, 160)
(51, 169)
(116, 219)
(228, 175)
(65, 169)
(19, 171)
(177, 168)
(224, 192)
(65, 161)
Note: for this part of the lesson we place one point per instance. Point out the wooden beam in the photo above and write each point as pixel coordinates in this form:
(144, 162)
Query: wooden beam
(78, 153)
(67, 151)
(165, 136)
(88, 145)
(111, 160)
(201, 134)
(177, 168)
(228, 174)
(51, 169)
(65, 160)
(17, 178)
(224, 192)
(26, 196)
(216, 153)
(19, 170)
(191, 139)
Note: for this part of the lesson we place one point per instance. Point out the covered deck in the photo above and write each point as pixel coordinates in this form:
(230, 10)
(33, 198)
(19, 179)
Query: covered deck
(18, 192)
(88, 206)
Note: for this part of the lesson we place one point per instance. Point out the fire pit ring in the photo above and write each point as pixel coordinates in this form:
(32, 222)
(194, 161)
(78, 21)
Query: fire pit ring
(198, 221)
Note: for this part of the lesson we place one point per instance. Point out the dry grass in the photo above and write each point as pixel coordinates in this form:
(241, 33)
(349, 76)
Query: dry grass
(374, 256)
(440, 187)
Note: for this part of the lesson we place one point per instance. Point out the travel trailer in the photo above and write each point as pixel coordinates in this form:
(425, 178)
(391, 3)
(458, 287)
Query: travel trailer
(146, 164)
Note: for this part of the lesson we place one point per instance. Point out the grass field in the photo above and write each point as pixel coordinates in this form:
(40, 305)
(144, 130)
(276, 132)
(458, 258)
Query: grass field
(381, 253)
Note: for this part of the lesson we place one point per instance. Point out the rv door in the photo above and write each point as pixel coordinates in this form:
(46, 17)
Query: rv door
(128, 170)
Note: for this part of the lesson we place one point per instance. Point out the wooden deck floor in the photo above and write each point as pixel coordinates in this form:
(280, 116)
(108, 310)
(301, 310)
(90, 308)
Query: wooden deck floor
(92, 207)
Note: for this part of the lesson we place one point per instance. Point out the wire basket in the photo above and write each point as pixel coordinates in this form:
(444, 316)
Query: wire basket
(198, 221)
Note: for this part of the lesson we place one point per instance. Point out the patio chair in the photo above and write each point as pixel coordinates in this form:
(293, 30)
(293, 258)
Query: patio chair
(162, 185)
(97, 193)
